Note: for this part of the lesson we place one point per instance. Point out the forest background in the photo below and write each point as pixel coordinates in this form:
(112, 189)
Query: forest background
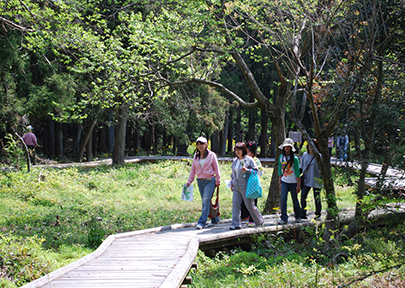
(116, 78)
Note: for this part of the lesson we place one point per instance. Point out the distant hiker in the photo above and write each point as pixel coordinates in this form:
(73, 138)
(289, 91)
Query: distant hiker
(330, 145)
(310, 168)
(289, 180)
(342, 145)
(31, 141)
(205, 166)
(242, 165)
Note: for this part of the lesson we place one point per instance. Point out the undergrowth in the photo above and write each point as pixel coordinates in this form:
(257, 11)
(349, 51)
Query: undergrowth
(50, 217)
(370, 259)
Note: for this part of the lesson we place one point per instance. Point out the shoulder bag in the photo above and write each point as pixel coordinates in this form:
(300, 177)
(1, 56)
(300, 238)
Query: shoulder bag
(254, 187)
(214, 208)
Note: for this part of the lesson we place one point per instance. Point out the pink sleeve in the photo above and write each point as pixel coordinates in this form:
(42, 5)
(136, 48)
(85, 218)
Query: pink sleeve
(216, 169)
(192, 173)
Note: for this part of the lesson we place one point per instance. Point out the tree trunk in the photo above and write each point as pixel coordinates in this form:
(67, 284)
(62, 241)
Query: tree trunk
(118, 156)
(230, 131)
(238, 132)
(155, 139)
(96, 143)
(59, 141)
(89, 148)
(136, 139)
(368, 136)
(78, 138)
(51, 142)
(273, 199)
(102, 133)
(252, 123)
(164, 140)
(272, 145)
(215, 142)
(263, 137)
(224, 134)
(86, 137)
(327, 177)
(111, 134)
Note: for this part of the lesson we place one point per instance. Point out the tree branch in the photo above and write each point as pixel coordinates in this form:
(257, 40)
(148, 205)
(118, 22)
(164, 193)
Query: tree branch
(213, 84)
(13, 25)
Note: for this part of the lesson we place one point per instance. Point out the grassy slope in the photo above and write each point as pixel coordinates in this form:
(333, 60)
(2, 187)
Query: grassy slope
(54, 206)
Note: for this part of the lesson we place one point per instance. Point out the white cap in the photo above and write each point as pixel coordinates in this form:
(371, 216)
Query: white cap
(30, 127)
(202, 140)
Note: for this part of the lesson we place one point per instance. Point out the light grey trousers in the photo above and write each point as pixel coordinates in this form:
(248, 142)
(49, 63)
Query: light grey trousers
(238, 197)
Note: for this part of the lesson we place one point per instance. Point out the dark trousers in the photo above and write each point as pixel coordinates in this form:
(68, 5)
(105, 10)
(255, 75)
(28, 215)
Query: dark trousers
(32, 152)
(244, 211)
(285, 188)
(317, 197)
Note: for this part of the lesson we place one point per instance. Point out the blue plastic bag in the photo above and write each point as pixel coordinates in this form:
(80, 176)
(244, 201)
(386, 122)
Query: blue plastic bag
(254, 187)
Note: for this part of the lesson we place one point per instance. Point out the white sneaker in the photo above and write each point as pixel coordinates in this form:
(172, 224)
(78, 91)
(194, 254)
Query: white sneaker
(199, 226)
(281, 222)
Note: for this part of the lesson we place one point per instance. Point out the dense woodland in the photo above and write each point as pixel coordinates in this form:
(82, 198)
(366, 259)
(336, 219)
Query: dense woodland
(113, 78)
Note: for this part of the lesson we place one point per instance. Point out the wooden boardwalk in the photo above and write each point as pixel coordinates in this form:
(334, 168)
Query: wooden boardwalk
(162, 256)
(394, 180)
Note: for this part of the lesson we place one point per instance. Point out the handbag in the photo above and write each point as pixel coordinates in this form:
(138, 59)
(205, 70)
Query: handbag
(214, 208)
(302, 178)
(254, 187)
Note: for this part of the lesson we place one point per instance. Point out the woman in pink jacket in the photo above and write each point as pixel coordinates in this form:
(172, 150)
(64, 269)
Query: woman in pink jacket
(205, 166)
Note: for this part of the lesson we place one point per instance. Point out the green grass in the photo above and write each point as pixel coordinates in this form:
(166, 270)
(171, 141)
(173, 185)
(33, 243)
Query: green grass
(52, 213)
(370, 259)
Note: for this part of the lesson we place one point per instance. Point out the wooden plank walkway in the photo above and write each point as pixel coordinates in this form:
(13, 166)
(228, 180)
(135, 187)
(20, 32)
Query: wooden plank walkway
(394, 180)
(138, 159)
(162, 256)
(372, 168)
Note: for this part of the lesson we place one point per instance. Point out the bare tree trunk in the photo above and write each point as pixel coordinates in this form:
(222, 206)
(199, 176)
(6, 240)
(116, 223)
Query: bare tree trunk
(230, 131)
(154, 139)
(225, 134)
(89, 148)
(252, 123)
(118, 156)
(273, 199)
(238, 136)
(51, 140)
(215, 142)
(136, 139)
(86, 137)
(111, 134)
(78, 138)
(263, 137)
(368, 136)
(59, 141)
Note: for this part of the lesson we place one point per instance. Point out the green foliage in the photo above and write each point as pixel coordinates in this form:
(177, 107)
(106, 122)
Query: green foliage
(14, 151)
(96, 234)
(22, 258)
(307, 261)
